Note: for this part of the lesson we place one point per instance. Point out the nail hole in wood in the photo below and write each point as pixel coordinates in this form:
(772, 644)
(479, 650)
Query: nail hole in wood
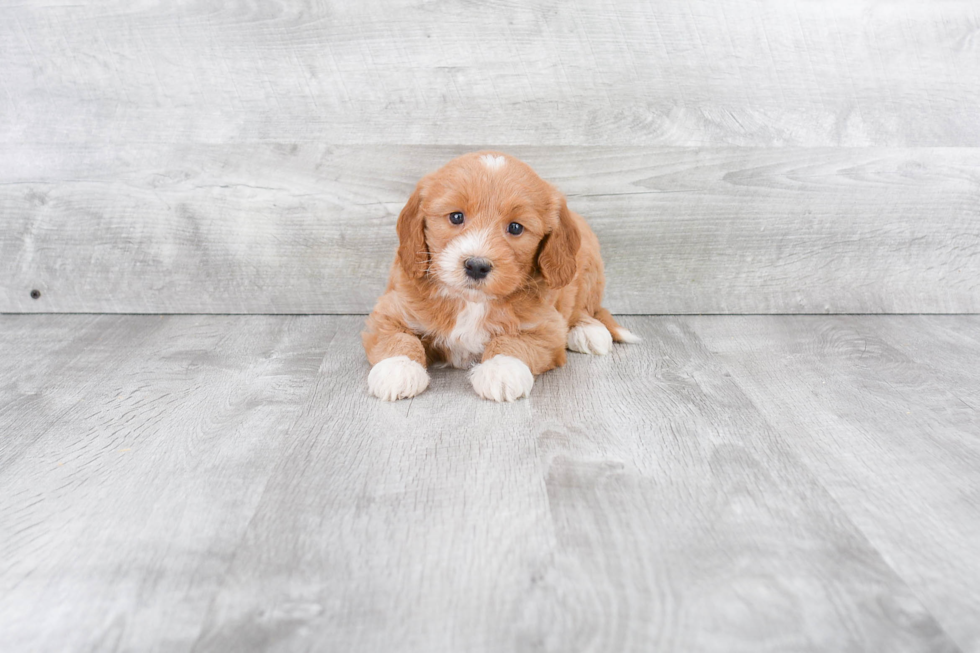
(35, 294)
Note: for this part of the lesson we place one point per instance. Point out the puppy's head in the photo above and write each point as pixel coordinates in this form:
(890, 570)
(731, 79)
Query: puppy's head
(484, 225)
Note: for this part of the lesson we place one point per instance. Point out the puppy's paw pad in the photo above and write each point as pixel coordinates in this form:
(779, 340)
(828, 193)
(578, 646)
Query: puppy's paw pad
(398, 377)
(590, 338)
(502, 378)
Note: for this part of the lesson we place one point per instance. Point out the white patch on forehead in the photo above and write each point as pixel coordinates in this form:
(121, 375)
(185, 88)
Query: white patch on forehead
(493, 162)
(468, 338)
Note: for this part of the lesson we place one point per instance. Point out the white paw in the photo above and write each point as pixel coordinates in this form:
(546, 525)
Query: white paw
(590, 337)
(398, 377)
(502, 378)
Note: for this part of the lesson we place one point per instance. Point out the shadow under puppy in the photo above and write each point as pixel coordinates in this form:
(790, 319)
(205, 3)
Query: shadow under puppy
(493, 273)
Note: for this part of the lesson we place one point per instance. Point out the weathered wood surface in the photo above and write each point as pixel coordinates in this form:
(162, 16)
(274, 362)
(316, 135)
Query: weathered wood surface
(679, 72)
(124, 501)
(225, 483)
(291, 228)
(886, 412)
(239, 157)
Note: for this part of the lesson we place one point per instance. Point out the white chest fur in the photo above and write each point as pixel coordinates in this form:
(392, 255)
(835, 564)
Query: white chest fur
(468, 338)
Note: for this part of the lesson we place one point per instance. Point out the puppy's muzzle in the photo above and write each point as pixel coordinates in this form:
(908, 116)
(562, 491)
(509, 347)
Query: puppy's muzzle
(477, 268)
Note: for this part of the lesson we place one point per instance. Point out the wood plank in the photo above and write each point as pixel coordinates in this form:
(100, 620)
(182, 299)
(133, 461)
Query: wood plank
(666, 480)
(289, 228)
(49, 366)
(886, 412)
(411, 526)
(119, 520)
(636, 502)
(679, 73)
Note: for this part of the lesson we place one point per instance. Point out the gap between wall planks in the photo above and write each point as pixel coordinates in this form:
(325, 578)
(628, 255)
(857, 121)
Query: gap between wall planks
(294, 228)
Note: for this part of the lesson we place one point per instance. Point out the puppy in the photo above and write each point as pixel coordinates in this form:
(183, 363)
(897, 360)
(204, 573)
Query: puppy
(493, 273)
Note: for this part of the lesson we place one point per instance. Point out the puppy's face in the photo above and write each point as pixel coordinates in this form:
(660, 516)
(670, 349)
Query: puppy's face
(484, 225)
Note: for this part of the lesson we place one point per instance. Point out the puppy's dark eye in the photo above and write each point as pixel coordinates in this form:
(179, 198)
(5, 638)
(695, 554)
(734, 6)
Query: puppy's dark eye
(456, 217)
(515, 229)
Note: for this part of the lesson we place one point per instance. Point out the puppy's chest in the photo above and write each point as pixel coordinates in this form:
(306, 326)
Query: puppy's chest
(463, 346)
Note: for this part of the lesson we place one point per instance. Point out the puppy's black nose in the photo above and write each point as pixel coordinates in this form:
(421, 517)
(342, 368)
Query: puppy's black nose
(477, 268)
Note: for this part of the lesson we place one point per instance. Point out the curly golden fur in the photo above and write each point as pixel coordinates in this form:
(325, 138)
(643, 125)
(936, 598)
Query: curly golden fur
(543, 281)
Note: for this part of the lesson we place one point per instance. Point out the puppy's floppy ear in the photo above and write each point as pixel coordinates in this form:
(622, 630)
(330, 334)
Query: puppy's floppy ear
(413, 253)
(556, 259)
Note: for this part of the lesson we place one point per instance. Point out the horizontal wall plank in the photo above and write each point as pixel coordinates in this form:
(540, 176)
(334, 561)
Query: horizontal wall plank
(679, 72)
(290, 228)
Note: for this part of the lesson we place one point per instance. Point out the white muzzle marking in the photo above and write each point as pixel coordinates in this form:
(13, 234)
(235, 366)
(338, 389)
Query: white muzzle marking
(449, 262)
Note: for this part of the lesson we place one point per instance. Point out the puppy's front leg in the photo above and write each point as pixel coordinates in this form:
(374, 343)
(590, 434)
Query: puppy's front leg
(397, 357)
(511, 361)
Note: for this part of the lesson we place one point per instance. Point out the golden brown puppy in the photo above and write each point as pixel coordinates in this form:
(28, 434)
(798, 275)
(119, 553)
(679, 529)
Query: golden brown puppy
(493, 268)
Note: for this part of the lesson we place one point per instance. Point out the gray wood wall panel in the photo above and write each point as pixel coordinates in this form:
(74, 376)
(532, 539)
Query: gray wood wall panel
(680, 72)
(299, 228)
(226, 483)
(735, 157)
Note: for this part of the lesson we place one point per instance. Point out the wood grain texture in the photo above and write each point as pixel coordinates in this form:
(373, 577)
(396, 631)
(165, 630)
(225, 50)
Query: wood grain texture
(121, 515)
(794, 72)
(886, 412)
(292, 228)
(228, 484)
(48, 366)
(662, 472)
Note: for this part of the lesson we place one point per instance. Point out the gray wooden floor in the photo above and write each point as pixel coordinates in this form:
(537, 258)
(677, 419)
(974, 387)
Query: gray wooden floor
(224, 483)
